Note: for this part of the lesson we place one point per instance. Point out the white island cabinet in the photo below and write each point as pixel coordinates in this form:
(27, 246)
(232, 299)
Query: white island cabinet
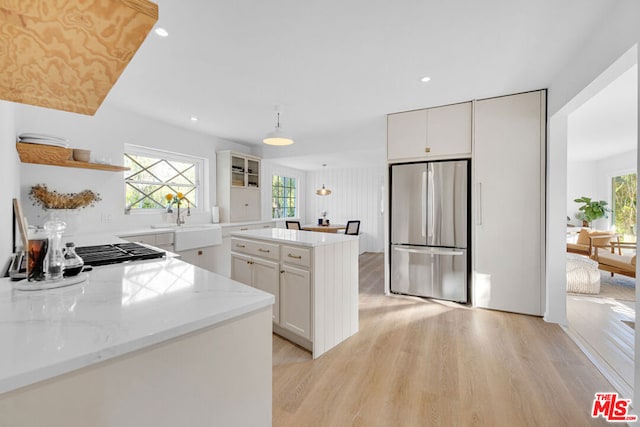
(313, 277)
(151, 343)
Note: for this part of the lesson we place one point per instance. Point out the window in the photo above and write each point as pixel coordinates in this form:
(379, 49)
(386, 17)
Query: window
(156, 173)
(623, 192)
(284, 197)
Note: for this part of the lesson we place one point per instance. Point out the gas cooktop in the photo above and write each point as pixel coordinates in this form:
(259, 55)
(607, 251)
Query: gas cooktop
(116, 253)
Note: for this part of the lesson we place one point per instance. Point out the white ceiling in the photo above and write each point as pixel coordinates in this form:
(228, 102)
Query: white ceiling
(336, 68)
(607, 124)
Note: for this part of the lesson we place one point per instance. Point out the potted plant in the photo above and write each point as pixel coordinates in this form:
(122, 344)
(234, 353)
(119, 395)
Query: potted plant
(592, 209)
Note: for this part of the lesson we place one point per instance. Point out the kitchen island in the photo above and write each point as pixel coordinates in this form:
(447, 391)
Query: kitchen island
(313, 276)
(160, 343)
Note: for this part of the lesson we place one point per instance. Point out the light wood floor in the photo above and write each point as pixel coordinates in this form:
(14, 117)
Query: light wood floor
(417, 362)
(596, 323)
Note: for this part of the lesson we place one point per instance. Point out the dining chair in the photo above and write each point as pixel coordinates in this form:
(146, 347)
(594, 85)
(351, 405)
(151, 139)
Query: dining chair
(293, 225)
(353, 228)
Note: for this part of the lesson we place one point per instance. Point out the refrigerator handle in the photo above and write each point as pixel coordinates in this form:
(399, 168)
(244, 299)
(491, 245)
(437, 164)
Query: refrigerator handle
(423, 192)
(479, 203)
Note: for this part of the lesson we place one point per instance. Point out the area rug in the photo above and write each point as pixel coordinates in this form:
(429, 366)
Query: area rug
(617, 287)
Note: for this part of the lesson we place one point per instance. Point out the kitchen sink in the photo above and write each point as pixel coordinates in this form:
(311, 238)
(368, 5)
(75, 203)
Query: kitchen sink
(192, 236)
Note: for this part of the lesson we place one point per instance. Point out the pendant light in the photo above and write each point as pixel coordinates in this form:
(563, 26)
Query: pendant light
(277, 137)
(323, 191)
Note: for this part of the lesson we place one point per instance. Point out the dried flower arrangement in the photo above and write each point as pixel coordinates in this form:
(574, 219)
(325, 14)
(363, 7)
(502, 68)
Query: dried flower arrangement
(54, 200)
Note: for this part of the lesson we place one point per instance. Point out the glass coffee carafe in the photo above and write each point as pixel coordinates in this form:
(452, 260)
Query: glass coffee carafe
(72, 261)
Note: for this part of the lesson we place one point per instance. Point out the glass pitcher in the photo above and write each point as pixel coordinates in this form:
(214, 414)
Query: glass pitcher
(54, 260)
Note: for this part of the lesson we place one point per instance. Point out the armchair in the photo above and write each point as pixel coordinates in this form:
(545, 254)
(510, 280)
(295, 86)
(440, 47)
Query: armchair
(613, 262)
(589, 241)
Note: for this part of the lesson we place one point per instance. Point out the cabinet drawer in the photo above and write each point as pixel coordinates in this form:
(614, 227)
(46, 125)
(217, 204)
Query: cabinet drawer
(239, 245)
(296, 255)
(265, 250)
(147, 239)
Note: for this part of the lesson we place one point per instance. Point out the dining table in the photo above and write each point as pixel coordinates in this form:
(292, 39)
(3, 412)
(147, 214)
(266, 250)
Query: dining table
(329, 228)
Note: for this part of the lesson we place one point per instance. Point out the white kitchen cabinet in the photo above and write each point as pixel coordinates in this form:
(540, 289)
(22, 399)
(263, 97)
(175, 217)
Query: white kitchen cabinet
(295, 300)
(222, 253)
(313, 276)
(508, 162)
(431, 133)
(244, 204)
(406, 134)
(200, 257)
(261, 274)
(238, 186)
(449, 130)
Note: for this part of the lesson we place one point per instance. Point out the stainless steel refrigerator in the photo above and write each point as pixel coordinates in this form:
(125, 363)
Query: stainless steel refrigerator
(430, 229)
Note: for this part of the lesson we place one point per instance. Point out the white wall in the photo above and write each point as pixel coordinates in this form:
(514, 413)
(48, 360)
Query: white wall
(10, 179)
(581, 181)
(105, 135)
(356, 194)
(617, 34)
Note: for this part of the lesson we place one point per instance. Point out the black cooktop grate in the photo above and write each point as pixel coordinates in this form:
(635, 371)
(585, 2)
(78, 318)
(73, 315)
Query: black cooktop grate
(116, 253)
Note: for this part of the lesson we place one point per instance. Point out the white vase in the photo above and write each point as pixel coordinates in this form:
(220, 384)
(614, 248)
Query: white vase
(69, 216)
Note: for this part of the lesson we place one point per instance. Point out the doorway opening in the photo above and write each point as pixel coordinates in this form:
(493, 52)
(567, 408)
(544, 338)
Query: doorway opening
(601, 165)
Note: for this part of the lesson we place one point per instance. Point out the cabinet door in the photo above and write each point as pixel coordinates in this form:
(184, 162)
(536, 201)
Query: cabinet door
(266, 277)
(509, 203)
(190, 256)
(406, 135)
(295, 301)
(449, 130)
(241, 269)
(245, 205)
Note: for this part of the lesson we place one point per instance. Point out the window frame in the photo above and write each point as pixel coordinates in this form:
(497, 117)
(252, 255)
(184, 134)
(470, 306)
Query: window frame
(296, 195)
(201, 172)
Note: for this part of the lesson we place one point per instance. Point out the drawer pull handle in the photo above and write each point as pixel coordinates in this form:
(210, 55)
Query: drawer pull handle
(264, 250)
(295, 256)
(239, 246)
(281, 271)
(199, 252)
(243, 229)
(266, 226)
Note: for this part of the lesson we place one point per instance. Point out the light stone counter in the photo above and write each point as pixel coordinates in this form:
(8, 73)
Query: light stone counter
(298, 237)
(121, 310)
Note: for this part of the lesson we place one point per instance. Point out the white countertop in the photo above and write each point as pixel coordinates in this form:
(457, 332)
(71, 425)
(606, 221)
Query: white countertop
(120, 309)
(298, 237)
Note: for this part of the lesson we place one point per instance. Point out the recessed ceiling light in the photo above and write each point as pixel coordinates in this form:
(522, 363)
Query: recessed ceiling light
(162, 32)
(425, 79)
(194, 119)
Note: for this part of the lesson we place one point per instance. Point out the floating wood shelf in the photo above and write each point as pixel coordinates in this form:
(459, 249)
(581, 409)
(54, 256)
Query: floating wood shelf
(58, 156)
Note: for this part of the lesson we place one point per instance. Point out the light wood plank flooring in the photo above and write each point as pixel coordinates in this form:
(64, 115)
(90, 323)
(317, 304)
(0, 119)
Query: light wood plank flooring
(417, 362)
(597, 324)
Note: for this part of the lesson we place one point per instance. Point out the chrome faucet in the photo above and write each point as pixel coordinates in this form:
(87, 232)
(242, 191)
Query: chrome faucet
(179, 221)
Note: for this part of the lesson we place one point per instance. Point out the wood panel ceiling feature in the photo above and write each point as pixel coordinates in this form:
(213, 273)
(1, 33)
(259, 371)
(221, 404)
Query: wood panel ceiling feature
(67, 54)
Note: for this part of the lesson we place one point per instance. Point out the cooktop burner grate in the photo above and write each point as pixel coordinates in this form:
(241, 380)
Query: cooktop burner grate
(116, 253)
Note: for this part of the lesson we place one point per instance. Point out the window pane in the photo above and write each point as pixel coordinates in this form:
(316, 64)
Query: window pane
(151, 178)
(283, 193)
(624, 206)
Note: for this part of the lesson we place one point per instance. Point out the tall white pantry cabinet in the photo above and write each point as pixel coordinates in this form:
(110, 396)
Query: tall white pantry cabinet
(505, 138)
(509, 218)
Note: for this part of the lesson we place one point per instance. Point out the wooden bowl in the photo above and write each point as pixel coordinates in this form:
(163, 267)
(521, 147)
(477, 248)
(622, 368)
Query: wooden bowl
(42, 154)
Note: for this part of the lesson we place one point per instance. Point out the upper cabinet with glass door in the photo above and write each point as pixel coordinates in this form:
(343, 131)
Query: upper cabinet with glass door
(245, 171)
